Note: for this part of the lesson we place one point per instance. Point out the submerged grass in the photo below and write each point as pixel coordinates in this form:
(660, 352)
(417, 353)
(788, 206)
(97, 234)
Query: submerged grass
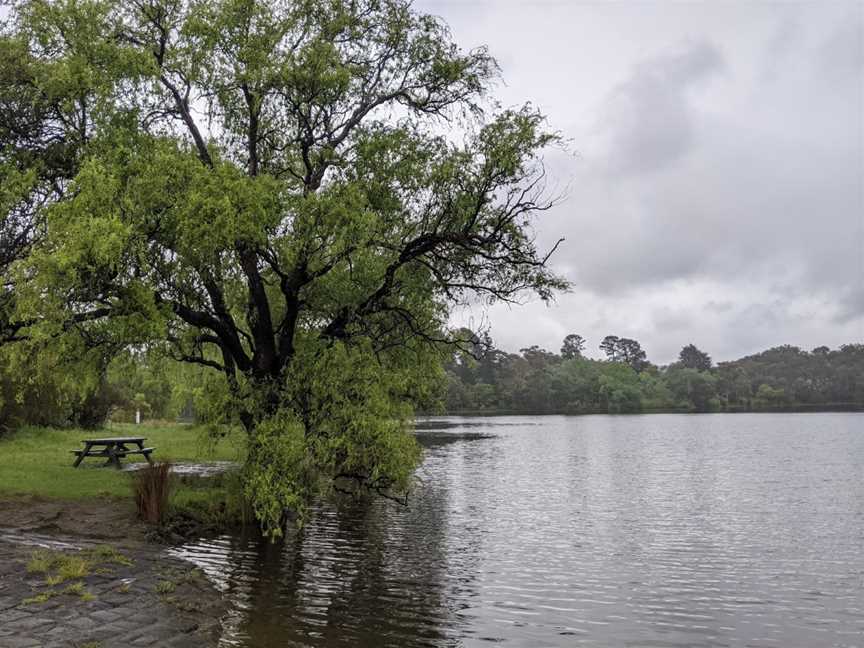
(108, 554)
(40, 598)
(62, 566)
(165, 587)
(37, 461)
(65, 566)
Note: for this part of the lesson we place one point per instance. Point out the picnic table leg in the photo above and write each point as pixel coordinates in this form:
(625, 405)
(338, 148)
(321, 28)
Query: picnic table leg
(140, 445)
(113, 458)
(81, 456)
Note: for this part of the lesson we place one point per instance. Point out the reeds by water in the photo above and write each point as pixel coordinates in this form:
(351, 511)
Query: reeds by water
(152, 488)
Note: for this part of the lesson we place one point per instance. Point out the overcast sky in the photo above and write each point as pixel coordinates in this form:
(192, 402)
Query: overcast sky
(716, 190)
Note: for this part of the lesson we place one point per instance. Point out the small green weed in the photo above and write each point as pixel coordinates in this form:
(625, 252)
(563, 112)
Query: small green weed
(40, 562)
(165, 587)
(76, 589)
(41, 597)
(72, 567)
(108, 554)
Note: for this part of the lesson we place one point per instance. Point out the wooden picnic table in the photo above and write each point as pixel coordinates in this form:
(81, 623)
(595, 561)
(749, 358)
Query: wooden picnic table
(113, 449)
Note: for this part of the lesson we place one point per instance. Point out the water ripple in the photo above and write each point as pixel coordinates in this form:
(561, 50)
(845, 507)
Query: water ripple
(662, 531)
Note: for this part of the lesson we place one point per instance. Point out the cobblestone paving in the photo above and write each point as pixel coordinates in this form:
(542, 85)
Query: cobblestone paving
(157, 601)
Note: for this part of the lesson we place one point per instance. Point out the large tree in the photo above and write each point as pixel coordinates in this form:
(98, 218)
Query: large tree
(624, 350)
(572, 346)
(691, 357)
(292, 194)
(41, 138)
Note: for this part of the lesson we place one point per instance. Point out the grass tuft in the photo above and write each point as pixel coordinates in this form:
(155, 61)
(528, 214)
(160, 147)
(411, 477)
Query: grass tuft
(76, 589)
(53, 579)
(165, 587)
(41, 597)
(152, 488)
(108, 554)
(72, 567)
(40, 562)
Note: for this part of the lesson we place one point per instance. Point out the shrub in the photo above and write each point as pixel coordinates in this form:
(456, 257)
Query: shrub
(152, 488)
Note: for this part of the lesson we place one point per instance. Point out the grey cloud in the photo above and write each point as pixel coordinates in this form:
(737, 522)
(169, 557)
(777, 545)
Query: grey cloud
(717, 194)
(774, 195)
(852, 304)
(648, 117)
(842, 52)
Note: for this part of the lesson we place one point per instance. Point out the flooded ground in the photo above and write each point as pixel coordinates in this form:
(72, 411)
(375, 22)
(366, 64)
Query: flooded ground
(660, 530)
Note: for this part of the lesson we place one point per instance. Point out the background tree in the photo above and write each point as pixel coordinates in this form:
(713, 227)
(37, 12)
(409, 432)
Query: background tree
(691, 357)
(263, 187)
(539, 381)
(692, 389)
(618, 389)
(573, 346)
(610, 346)
(631, 353)
(624, 350)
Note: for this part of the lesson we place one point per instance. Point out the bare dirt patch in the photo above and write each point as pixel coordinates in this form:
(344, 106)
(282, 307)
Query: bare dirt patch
(111, 519)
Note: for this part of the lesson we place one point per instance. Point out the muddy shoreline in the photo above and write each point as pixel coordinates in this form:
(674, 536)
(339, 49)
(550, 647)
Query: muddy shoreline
(144, 598)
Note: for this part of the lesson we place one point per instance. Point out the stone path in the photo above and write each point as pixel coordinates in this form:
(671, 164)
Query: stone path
(155, 601)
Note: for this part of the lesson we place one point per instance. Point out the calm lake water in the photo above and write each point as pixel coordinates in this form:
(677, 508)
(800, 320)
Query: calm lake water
(657, 530)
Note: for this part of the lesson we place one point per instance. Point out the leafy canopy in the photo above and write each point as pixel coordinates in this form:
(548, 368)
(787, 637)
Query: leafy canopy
(292, 194)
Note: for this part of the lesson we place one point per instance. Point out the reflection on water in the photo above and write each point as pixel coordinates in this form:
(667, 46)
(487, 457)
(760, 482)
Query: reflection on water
(186, 469)
(715, 530)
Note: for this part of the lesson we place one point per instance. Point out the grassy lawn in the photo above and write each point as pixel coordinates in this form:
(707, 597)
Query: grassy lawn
(38, 461)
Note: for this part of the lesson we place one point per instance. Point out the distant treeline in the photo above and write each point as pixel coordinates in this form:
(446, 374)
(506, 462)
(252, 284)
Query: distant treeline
(478, 378)
(481, 378)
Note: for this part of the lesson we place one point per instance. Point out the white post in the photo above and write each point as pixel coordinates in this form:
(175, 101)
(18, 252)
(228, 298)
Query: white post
(137, 417)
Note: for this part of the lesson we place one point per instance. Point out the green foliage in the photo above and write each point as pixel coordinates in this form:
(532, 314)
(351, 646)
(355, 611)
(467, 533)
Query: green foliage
(619, 388)
(304, 241)
(692, 358)
(165, 587)
(40, 387)
(691, 388)
(358, 410)
(206, 508)
(573, 346)
(768, 396)
(541, 382)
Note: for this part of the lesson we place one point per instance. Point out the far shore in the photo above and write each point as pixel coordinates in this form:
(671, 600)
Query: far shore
(788, 409)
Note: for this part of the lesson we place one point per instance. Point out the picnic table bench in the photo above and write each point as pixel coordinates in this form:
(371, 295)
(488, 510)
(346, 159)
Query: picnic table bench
(113, 449)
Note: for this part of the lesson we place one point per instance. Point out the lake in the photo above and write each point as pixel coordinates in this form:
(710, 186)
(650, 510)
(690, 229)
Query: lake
(654, 530)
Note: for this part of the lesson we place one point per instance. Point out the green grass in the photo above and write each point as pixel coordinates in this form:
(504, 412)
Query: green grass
(165, 587)
(62, 566)
(108, 554)
(74, 567)
(38, 461)
(40, 562)
(76, 589)
(41, 597)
